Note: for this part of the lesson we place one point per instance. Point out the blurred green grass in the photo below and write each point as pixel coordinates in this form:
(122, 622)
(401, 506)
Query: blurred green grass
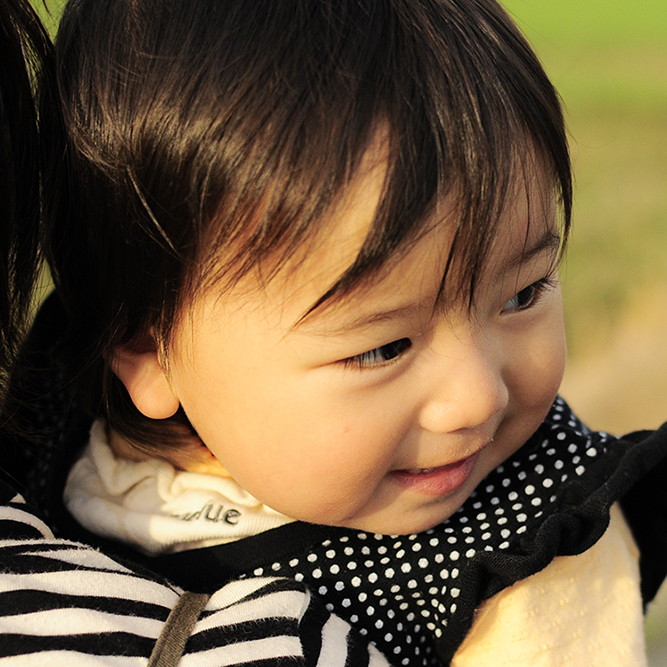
(608, 59)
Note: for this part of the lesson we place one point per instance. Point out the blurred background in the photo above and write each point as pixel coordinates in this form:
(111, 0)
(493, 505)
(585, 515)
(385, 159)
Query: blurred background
(608, 59)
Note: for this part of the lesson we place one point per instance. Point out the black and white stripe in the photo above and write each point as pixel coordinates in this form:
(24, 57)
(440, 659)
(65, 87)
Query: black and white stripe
(67, 603)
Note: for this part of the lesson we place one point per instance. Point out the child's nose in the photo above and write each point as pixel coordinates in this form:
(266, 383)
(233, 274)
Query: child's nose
(466, 387)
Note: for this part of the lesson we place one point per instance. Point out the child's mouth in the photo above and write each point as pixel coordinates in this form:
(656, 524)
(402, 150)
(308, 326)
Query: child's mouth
(440, 481)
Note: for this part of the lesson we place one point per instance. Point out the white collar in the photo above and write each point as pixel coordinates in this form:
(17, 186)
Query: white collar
(157, 509)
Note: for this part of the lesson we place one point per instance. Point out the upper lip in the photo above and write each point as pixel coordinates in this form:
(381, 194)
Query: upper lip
(432, 468)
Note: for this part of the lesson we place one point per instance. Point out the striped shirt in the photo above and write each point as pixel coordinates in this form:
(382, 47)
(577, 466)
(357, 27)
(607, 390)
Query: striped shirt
(66, 603)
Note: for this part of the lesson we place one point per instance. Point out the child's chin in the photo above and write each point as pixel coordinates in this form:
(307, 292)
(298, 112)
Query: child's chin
(409, 524)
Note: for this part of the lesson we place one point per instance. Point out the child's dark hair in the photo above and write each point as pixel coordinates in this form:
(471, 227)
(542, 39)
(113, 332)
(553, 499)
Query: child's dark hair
(208, 138)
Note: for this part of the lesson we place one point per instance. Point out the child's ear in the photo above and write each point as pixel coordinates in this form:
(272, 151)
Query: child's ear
(138, 367)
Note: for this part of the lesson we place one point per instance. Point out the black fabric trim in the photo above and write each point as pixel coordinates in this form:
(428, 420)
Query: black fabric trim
(204, 570)
(645, 509)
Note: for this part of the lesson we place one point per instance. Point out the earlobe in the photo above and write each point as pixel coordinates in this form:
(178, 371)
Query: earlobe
(144, 378)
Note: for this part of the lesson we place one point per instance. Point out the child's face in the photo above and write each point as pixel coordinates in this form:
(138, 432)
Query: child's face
(377, 412)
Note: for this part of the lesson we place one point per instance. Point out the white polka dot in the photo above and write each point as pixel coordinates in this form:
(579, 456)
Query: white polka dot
(454, 555)
(356, 582)
(322, 590)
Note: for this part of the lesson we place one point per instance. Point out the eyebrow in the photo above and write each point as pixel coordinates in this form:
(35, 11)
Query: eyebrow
(549, 241)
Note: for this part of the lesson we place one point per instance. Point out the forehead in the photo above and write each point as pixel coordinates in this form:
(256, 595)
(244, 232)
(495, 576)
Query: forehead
(413, 275)
(439, 256)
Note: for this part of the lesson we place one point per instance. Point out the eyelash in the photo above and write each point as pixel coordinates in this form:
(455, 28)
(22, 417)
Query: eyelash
(534, 292)
(386, 354)
(379, 356)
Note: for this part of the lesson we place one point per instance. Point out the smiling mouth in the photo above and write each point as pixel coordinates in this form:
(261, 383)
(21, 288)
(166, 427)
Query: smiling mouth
(438, 481)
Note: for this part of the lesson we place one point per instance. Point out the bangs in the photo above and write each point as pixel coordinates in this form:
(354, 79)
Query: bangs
(463, 103)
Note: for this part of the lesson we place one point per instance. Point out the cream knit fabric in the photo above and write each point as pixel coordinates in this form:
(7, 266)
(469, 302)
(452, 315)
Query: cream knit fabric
(580, 611)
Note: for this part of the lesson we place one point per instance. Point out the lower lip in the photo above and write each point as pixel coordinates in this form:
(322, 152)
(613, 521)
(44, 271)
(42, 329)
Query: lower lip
(438, 481)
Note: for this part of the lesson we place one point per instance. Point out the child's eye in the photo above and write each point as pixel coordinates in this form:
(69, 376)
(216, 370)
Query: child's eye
(380, 355)
(529, 296)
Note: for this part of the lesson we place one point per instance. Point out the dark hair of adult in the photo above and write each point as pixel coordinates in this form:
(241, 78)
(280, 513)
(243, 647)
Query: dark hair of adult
(26, 57)
(208, 138)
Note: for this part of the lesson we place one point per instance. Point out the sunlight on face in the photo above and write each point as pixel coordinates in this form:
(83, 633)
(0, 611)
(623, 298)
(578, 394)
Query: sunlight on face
(379, 412)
